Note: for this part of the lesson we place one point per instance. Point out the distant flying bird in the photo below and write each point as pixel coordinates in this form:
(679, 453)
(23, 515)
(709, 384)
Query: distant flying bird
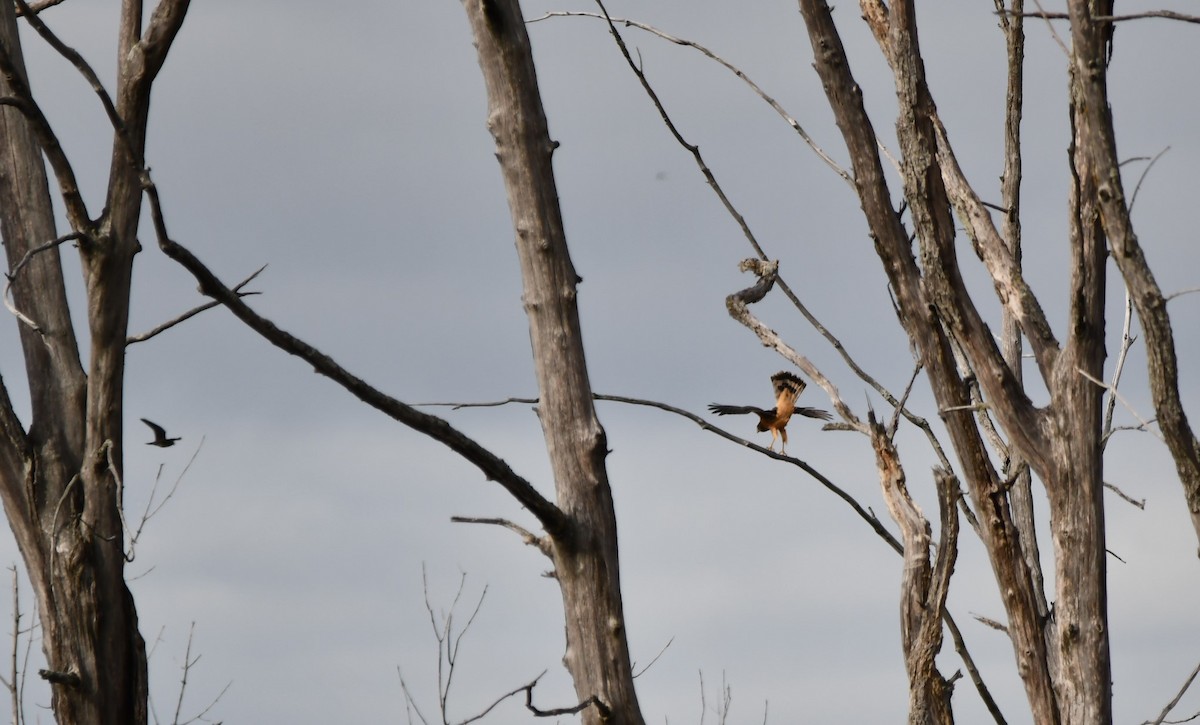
(160, 436)
(787, 388)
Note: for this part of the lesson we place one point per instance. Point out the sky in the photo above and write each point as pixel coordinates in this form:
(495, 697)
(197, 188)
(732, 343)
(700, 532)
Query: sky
(344, 146)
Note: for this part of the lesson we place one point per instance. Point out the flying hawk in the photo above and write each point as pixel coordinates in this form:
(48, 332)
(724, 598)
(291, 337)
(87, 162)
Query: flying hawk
(160, 436)
(787, 388)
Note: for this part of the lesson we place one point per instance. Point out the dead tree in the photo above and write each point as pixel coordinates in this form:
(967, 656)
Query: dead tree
(60, 476)
(580, 525)
(1063, 656)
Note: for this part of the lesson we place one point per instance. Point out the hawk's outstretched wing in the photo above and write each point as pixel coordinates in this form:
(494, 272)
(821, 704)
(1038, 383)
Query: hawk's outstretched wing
(813, 413)
(740, 409)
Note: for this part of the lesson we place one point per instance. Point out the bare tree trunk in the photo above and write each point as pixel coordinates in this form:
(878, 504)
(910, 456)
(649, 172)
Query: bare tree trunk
(60, 481)
(1096, 154)
(1065, 667)
(585, 554)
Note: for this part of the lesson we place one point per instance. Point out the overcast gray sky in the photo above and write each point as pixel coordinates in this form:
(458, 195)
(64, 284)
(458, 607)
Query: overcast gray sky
(344, 145)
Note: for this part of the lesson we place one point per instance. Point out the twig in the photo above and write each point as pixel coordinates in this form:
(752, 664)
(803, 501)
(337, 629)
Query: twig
(741, 75)
(237, 288)
(1145, 173)
(16, 270)
(1180, 293)
(960, 646)
(38, 6)
(895, 421)
(1129, 499)
(691, 148)
(990, 622)
(14, 692)
(84, 69)
(1050, 26)
(1162, 716)
(650, 664)
(499, 700)
(1145, 424)
(1166, 14)
(529, 538)
(22, 99)
(1126, 343)
(107, 447)
(448, 646)
(555, 712)
(409, 702)
(187, 664)
(151, 508)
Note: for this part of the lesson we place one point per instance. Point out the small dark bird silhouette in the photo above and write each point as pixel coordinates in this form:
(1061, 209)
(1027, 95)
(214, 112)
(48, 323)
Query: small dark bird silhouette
(160, 436)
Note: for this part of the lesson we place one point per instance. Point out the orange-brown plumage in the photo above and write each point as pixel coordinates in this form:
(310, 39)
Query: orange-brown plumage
(787, 388)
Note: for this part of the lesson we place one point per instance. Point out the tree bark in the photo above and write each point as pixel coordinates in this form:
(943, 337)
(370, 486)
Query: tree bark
(60, 480)
(585, 554)
(1065, 667)
(924, 585)
(921, 309)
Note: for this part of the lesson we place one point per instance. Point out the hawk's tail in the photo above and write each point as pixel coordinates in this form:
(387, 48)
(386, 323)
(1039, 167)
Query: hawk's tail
(786, 382)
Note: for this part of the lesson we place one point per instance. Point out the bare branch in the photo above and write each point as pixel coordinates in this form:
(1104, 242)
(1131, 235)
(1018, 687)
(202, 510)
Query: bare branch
(16, 270)
(691, 148)
(960, 646)
(194, 311)
(650, 664)
(871, 519)
(738, 218)
(1162, 716)
(38, 7)
(538, 542)
(1002, 264)
(737, 304)
(1126, 343)
(80, 64)
(1165, 14)
(1140, 503)
(791, 121)
(555, 712)
(151, 508)
(987, 621)
(187, 666)
(1098, 139)
(1181, 293)
(1050, 26)
(12, 684)
(1145, 424)
(22, 100)
(551, 518)
(1142, 178)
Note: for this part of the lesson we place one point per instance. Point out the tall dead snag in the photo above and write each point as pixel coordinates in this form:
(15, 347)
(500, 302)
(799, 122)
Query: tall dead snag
(585, 553)
(60, 479)
(924, 586)
(1096, 163)
(1064, 663)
